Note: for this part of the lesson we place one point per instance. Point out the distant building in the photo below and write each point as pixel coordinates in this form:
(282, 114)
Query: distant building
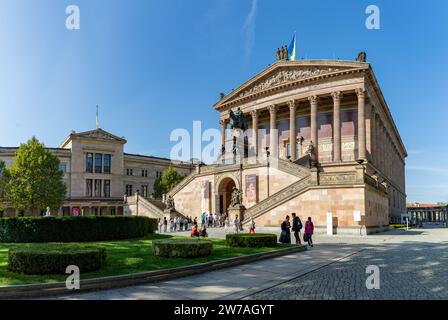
(428, 212)
(98, 173)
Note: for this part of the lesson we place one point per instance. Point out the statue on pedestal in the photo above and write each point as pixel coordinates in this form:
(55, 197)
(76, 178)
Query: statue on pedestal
(236, 198)
(237, 120)
(169, 203)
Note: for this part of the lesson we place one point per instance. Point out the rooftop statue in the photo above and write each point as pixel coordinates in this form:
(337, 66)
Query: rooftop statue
(362, 56)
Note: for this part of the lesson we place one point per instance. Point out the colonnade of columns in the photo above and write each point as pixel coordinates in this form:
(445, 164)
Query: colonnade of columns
(314, 104)
(430, 215)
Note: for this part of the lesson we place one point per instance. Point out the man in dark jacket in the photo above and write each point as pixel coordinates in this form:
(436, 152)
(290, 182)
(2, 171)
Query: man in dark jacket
(296, 227)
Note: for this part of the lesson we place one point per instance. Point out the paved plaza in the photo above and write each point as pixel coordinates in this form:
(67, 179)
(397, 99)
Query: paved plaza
(412, 265)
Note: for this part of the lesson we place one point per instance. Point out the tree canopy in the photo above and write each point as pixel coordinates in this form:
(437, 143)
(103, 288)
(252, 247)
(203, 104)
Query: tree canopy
(35, 179)
(167, 181)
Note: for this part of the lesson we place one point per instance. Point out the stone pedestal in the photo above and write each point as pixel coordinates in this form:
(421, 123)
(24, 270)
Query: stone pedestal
(235, 148)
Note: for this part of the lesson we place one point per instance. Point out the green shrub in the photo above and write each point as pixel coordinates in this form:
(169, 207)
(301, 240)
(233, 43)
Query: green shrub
(55, 258)
(254, 240)
(182, 248)
(74, 229)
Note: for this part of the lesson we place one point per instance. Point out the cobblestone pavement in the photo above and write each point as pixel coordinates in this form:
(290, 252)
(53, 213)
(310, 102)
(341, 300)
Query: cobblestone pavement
(413, 265)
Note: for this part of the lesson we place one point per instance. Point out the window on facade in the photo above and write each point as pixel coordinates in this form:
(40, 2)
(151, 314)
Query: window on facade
(144, 191)
(107, 163)
(97, 188)
(63, 167)
(89, 187)
(129, 189)
(106, 188)
(98, 163)
(89, 162)
(144, 173)
(129, 172)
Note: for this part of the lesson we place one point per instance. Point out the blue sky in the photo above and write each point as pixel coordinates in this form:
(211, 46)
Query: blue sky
(154, 66)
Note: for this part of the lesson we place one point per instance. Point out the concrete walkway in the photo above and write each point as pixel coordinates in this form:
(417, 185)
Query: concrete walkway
(242, 281)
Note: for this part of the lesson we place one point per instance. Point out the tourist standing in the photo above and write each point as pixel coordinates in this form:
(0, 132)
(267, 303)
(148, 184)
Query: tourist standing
(160, 225)
(171, 225)
(236, 223)
(309, 230)
(226, 223)
(285, 236)
(165, 224)
(296, 227)
(252, 225)
(181, 224)
(203, 218)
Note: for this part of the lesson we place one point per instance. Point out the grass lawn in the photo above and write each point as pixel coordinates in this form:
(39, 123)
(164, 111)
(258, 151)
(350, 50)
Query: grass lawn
(398, 226)
(125, 257)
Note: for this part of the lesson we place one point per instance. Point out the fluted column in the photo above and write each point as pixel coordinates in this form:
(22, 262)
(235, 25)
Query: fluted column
(361, 124)
(374, 138)
(292, 130)
(273, 138)
(223, 124)
(314, 130)
(254, 114)
(337, 96)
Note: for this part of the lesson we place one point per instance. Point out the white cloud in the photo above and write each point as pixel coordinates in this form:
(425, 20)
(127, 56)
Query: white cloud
(249, 30)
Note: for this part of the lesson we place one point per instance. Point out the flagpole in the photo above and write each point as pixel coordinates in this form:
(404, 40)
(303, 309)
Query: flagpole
(97, 119)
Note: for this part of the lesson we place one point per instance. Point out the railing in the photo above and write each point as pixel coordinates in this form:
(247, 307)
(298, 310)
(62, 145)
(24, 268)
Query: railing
(292, 168)
(183, 183)
(142, 203)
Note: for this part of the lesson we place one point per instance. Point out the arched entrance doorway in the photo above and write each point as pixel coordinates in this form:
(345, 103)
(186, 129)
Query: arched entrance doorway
(225, 193)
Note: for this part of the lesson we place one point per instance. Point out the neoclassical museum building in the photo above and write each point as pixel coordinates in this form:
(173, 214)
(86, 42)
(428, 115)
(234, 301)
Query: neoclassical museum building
(99, 175)
(322, 143)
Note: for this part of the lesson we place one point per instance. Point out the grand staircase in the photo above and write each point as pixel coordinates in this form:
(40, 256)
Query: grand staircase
(299, 169)
(285, 194)
(152, 208)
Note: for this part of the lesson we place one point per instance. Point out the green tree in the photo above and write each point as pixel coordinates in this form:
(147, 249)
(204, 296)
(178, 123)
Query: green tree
(35, 180)
(3, 184)
(169, 179)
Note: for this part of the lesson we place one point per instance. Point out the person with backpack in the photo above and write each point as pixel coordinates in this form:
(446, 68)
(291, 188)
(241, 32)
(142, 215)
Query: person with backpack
(309, 230)
(296, 227)
(285, 236)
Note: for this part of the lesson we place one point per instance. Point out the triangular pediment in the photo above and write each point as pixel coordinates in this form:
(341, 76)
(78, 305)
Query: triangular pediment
(289, 72)
(97, 134)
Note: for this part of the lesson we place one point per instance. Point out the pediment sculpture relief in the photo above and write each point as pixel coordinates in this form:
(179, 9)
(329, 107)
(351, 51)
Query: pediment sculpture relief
(285, 76)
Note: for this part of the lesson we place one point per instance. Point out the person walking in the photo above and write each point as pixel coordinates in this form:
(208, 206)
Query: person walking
(296, 227)
(165, 224)
(236, 223)
(309, 230)
(252, 225)
(226, 223)
(160, 225)
(285, 236)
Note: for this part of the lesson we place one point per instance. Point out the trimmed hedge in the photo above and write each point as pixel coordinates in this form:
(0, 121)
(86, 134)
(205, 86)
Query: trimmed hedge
(182, 248)
(254, 240)
(55, 258)
(74, 229)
